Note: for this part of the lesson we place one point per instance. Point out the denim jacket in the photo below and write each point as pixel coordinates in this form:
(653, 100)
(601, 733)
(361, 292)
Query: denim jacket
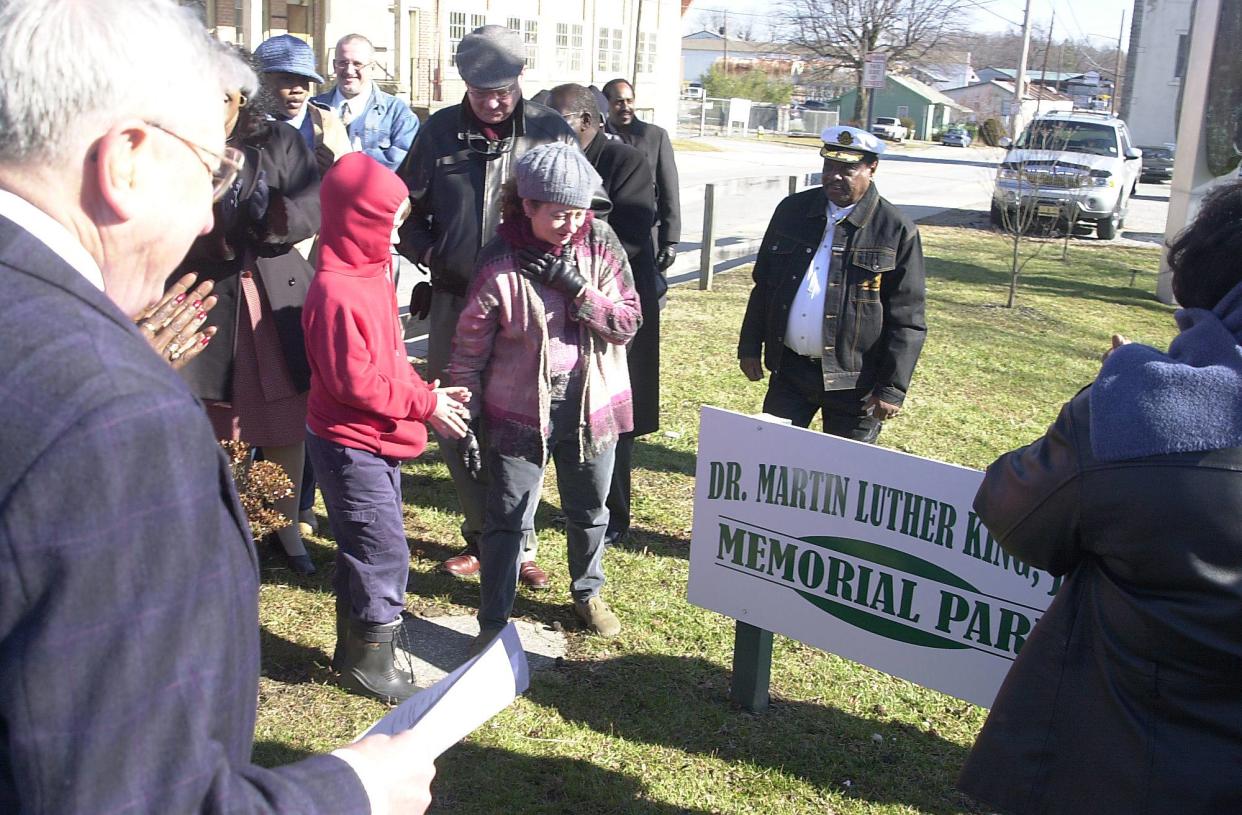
(873, 311)
(385, 132)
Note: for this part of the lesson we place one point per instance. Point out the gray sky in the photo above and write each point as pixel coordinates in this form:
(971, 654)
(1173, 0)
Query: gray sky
(1099, 20)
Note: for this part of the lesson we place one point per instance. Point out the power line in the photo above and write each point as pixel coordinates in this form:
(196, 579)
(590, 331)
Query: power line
(983, 6)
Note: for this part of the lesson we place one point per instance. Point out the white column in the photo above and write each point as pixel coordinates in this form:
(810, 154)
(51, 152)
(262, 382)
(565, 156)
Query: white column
(252, 23)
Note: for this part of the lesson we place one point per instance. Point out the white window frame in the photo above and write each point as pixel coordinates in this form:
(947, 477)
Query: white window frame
(646, 52)
(460, 24)
(569, 46)
(529, 29)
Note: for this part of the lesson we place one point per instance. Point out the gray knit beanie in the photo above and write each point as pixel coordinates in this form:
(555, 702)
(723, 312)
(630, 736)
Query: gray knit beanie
(558, 172)
(491, 56)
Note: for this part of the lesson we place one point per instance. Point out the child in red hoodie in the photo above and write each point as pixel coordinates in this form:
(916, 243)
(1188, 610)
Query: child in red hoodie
(366, 413)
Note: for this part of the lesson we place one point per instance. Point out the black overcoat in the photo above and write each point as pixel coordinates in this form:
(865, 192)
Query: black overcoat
(627, 180)
(654, 143)
(289, 169)
(1125, 698)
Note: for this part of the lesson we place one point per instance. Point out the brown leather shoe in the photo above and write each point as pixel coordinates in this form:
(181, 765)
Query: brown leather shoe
(529, 574)
(463, 565)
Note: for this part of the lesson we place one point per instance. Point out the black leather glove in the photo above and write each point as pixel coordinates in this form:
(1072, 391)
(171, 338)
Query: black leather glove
(420, 301)
(551, 271)
(666, 256)
(470, 452)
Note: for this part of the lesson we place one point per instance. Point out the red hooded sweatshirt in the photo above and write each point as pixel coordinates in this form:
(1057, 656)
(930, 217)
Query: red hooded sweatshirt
(363, 393)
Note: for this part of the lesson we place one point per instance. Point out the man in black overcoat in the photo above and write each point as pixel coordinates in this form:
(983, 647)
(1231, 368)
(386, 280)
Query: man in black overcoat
(628, 182)
(654, 144)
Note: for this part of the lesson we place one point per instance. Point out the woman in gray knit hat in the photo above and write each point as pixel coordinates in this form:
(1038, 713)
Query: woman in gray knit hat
(541, 344)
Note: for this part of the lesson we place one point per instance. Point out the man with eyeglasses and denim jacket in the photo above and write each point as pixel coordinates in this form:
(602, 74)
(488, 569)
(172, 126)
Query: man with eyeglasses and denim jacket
(379, 124)
(455, 171)
(837, 309)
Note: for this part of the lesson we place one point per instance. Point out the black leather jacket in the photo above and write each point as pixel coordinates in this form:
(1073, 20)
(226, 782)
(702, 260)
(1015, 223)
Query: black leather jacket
(873, 324)
(1124, 698)
(455, 175)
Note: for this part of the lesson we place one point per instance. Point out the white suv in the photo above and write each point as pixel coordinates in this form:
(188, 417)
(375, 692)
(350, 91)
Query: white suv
(1069, 166)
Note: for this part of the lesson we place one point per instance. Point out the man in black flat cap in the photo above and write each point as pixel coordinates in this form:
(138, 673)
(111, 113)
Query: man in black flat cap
(455, 171)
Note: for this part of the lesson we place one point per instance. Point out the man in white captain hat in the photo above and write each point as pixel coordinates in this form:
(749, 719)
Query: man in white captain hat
(836, 313)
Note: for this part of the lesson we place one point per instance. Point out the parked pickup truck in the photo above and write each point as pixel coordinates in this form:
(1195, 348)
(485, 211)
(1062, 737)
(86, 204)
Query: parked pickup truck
(890, 128)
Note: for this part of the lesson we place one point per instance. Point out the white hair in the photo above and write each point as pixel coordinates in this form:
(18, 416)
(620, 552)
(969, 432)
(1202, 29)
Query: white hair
(70, 68)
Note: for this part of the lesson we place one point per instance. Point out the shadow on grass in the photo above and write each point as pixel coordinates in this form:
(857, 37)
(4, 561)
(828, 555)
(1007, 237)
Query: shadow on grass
(682, 703)
(649, 454)
(275, 754)
(487, 780)
(289, 662)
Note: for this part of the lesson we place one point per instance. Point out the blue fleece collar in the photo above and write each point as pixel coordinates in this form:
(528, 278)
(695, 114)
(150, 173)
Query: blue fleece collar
(1147, 403)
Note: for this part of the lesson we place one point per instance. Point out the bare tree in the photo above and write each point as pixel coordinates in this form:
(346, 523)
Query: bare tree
(843, 32)
(736, 27)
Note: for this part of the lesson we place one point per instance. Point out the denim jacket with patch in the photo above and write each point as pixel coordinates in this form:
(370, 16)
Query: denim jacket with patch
(874, 324)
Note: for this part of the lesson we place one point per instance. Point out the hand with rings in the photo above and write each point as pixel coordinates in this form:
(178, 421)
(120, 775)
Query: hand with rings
(172, 325)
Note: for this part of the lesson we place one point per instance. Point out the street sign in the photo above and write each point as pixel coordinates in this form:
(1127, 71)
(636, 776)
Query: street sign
(874, 67)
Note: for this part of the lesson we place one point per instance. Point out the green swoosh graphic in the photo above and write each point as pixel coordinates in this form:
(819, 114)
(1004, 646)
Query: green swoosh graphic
(892, 558)
(889, 629)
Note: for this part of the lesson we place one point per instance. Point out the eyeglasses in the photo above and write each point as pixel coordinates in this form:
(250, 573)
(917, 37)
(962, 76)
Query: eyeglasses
(499, 94)
(487, 148)
(345, 65)
(227, 166)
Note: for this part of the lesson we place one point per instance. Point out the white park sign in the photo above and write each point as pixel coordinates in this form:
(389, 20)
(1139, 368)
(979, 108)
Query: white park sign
(868, 553)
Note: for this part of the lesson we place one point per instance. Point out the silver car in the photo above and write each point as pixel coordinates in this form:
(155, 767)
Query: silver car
(955, 137)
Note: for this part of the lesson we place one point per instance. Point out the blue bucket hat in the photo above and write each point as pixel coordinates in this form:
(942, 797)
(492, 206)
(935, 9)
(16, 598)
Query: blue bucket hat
(286, 54)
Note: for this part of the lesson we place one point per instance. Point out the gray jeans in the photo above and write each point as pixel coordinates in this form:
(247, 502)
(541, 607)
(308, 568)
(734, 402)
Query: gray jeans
(513, 495)
(471, 494)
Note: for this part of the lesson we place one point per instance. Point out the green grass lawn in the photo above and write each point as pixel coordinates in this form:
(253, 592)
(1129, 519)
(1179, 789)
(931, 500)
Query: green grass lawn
(642, 723)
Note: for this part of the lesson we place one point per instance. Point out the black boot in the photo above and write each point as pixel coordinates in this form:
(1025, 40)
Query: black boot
(368, 668)
(342, 628)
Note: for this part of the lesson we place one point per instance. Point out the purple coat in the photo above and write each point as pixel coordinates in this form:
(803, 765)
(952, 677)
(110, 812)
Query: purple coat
(129, 632)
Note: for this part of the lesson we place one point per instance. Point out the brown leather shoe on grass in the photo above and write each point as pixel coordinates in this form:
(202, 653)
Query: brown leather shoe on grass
(463, 565)
(529, 574)
(597, 616)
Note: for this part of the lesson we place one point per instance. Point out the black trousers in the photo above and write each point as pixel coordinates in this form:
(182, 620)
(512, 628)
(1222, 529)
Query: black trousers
(619, 494)
(796, 392)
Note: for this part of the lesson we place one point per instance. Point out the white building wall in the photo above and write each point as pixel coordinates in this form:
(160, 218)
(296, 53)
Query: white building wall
(1153, 97)
(586, 60)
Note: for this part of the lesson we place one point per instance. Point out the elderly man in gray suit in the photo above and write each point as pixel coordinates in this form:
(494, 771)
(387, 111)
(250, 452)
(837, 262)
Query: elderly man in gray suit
(129, 637)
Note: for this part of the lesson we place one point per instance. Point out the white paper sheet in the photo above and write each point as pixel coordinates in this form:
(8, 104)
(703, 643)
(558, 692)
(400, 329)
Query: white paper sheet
(448, 711)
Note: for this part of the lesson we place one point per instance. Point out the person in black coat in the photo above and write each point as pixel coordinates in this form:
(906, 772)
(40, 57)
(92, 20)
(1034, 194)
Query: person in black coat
(254, 376)
(628, 182)
(1125, 697)
(654, 144)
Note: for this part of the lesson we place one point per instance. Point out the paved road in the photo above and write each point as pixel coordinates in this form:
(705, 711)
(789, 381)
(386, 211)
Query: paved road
(947, 184)
(923, 181)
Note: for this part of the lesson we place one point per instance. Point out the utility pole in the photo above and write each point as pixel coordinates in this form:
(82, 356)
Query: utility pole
(724, 30)
(1019, 81)
(1117, 65)
(1043, 74)
(638, 32)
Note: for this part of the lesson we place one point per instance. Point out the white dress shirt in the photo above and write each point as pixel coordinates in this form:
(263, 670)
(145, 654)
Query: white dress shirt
(357, 107)
(296, 121)
(52, 234)
(804, 333)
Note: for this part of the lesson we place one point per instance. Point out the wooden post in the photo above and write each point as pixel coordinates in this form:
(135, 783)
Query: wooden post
(752, 667)
(705, 253)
